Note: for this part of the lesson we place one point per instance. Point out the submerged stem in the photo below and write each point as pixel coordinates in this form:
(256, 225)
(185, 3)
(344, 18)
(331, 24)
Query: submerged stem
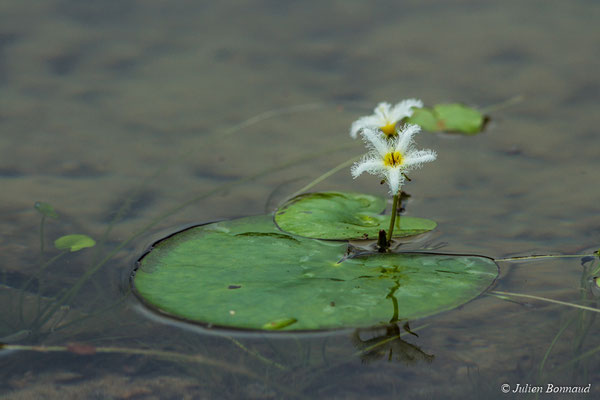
(42, 234)
(564, 303)
(37, 276)
(540, 256)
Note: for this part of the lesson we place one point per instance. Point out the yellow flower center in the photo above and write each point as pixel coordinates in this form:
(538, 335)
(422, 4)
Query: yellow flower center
(389, 129)
(392, 159)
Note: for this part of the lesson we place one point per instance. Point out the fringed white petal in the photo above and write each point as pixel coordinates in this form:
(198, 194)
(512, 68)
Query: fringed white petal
(379, 145)
(375, 141)
(395, 179)
(383, 112)
(405, 137)
(404, 109)
(370, 121)
(367, 164)
(414, 159)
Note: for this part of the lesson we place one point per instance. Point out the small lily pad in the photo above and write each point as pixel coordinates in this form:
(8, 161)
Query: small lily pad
(246, 274)
(343, 216)
(45, 209)
(74, 242)
(449, 118)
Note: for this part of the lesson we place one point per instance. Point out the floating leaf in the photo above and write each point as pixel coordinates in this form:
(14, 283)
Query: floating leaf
(279, 324)
(342, 216)
(246, 274)
(74, 242)
(425, 118)
(459, 118)
(46, 209)
(449, 118)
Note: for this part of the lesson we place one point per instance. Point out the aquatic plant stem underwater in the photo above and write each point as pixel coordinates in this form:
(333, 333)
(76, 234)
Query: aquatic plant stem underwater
(84, 349)
(36, 276)
(529, 296)
(500, 294)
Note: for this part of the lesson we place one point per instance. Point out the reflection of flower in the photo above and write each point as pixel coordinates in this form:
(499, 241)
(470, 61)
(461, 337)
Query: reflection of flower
(385, 117)
(390, 158)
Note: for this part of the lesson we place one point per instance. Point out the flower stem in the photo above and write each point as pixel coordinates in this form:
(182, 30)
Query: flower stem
(399, 209)
(393, 216)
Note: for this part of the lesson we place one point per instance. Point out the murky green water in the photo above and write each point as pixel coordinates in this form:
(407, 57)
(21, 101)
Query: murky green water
(129, 109)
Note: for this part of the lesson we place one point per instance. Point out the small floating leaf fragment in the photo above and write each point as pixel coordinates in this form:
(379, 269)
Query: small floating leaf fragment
(45, 209)
(74, 242)
(279, 324)
(453, 117)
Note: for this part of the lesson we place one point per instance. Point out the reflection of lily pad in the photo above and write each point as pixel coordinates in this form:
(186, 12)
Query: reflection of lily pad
(449, 118)
(246, 274)
(341, 216)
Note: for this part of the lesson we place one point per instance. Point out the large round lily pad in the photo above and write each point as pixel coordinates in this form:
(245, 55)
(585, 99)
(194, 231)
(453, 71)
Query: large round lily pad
(247, 274)
(343, 216)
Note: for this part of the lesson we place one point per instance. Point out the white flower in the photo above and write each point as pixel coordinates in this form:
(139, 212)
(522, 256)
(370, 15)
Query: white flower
(385, 117)
(390, 158)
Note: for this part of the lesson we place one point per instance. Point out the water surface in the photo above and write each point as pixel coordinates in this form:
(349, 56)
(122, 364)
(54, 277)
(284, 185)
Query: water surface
(128, 109)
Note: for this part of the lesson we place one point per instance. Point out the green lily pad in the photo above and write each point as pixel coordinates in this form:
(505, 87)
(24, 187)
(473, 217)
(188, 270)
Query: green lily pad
(449, 118)
(45, 209)
(343, 216)
(247, 274)
(74, 242)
